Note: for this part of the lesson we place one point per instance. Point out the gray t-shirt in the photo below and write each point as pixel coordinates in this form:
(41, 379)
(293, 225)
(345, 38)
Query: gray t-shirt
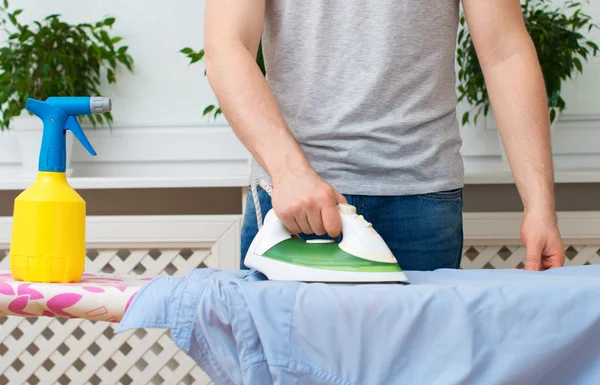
(368, 90)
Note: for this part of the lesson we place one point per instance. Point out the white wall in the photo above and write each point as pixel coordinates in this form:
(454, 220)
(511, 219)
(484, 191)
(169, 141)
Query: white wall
(172, 136)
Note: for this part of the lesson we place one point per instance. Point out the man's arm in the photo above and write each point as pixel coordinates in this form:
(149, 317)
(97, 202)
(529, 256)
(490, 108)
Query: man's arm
(233, 29)
(518, 98)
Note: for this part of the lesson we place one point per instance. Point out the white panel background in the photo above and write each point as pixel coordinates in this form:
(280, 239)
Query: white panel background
(155, 135)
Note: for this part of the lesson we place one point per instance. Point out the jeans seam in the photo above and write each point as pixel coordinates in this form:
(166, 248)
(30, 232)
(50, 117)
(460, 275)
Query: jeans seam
(444, 196)
(362, 204)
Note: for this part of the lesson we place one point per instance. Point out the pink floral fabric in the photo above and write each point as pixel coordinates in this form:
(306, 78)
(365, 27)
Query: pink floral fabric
(98, 297)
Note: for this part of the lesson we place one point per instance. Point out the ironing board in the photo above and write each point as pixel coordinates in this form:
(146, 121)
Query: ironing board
(448, 327)
(98, 297)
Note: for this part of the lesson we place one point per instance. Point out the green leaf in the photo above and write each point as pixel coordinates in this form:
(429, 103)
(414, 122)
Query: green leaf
(109, 21)
(461, 35)
(186, 50)
(105, 38)
(208, 109)
(465, 118)
(577, 63)
(5, 3)
(552, 115)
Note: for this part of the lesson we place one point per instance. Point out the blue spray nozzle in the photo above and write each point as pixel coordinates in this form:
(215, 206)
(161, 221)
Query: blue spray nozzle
(58, 115)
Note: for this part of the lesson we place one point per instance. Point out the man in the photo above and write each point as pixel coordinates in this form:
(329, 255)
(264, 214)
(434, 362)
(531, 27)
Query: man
(359, 107)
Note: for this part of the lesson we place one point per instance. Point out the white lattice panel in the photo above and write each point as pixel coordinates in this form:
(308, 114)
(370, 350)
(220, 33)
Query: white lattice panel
(56, 351)
(513, 256)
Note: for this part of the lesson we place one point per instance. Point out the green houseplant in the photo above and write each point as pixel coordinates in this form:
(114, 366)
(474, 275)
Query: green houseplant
(196, 56)
(557, 34)
(53, 58)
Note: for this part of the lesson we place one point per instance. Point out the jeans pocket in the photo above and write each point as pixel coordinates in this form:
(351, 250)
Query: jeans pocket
(445, 194)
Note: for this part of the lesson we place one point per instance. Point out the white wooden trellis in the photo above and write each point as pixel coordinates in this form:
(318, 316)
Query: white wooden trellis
(510, 256)
(48, 351)
(56, 351)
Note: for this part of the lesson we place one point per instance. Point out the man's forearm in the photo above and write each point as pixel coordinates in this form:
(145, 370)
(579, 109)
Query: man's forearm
(251, 109)
(518, 97)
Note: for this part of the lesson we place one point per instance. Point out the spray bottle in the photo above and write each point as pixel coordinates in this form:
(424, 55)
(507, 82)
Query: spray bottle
(48, 231)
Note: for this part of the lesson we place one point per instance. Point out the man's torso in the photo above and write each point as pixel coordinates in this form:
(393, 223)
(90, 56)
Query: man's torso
(368, 90)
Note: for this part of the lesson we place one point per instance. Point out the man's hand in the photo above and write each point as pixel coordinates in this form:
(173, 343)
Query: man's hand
(518, 98)
(543, 243)
(305, 203)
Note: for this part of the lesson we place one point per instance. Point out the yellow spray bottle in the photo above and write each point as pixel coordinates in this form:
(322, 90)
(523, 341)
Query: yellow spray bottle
(48, 231)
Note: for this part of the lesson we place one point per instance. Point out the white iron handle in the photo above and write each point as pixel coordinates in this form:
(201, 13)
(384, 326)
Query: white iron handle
(360, 238)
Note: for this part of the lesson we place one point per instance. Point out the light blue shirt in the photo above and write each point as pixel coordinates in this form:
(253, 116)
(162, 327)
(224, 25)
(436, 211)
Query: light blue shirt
(449, 327)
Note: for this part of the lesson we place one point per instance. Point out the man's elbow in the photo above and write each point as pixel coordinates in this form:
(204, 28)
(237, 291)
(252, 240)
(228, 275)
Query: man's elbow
(225, 53)
(213, 59)
(503, 49)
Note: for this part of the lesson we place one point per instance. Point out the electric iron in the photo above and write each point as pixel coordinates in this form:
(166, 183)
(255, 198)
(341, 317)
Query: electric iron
(361, 257)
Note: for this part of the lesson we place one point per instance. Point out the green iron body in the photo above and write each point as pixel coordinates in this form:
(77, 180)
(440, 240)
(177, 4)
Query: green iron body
(361, 257)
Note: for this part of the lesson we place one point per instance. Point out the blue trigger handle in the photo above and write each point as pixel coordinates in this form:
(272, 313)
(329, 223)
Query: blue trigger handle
(73, 125)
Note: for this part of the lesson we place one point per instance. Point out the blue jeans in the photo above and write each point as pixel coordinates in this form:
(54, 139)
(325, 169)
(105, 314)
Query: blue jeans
(424, 232)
